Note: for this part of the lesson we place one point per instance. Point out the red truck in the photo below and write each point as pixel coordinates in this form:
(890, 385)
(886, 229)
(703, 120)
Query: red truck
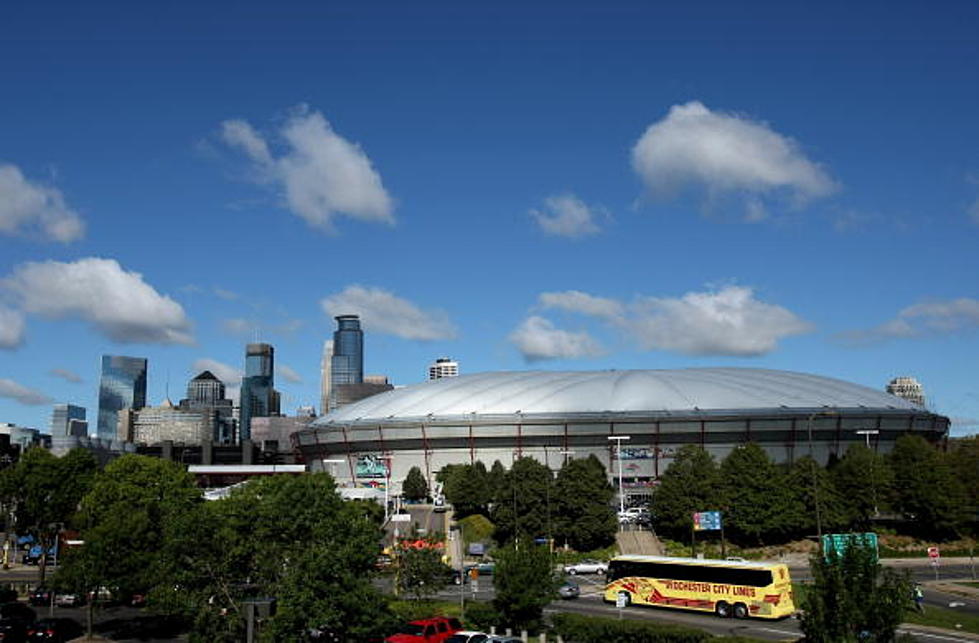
(427, 630)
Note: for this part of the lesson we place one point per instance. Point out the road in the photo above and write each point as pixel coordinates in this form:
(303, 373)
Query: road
(784, 630)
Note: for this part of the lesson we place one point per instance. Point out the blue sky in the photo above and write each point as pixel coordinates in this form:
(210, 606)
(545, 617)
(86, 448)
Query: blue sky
(515, 185)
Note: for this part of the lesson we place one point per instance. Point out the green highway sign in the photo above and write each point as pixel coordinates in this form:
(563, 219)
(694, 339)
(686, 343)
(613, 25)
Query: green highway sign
(838, 543)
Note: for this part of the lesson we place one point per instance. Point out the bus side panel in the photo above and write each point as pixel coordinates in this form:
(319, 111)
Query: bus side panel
(649, 591)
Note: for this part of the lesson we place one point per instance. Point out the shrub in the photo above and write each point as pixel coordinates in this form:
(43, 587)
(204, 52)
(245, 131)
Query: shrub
(589, 629)
(482, 615)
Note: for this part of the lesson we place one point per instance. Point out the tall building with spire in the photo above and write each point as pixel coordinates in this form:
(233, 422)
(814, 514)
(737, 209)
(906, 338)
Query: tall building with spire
(347, 361)
(122, 386)
(258, 395)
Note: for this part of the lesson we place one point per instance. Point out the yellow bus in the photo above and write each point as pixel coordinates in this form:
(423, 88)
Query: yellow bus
(727, 588)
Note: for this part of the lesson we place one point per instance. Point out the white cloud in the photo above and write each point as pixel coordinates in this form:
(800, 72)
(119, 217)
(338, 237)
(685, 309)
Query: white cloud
(974, 211)
(730, 321)
(383, 312)
(724, 153)
(566, 216)
(322, 174)
(579, 302)
(119, 304)
(226, 295)
(727, 322)
(288, 374)
(936, 317)
(11, 328)
(538, 339)
(14, 391)
(28, 206)
(65, 374)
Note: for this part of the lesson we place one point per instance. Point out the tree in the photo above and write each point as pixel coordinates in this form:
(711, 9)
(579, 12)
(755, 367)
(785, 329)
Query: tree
(523, 508)
(690, 484)
(963, 457)
(43, 492)
(582, 501)
(852, 598)
(290, 537)
(421, 571)
(925, 488)
(759, 506)
(123, 519)
(415, 487)
(468, 490)
(810, 482)
(863, 481)
(524, 582)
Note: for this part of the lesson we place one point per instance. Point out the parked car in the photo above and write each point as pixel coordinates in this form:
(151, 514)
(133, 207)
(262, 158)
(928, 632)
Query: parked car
(8, 594)
(15, 618)
(439, 504)
(635, 515)
(427, 630)
(68, 599)
(485, 569)
(39, 596)
(458, 578)
(504, 639)
(467, 637)
(586, 567)
(54, 630)
(569, 590)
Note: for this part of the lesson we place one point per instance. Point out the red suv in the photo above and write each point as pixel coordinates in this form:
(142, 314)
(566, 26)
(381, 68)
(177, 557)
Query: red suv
(427, 630)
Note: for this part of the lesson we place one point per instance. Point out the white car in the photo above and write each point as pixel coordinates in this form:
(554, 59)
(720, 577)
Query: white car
(467, 637)
(634, 515)
(586, 567)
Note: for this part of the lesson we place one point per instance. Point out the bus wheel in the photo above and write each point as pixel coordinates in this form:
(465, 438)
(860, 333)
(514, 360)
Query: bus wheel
(740, 610)
(722, 609)
(627, 598)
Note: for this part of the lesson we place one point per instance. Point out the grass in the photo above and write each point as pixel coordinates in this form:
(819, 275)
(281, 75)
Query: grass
(969, 584)
(944, 617)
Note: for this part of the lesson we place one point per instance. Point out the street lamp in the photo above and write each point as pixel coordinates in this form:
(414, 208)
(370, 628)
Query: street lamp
(566, 453)
(812, 465)
(867, 433)
(618, 456)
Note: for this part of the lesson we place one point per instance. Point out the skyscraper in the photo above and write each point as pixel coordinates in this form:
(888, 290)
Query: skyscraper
(326, 364)
(68, 419)
(258, 395)
(205, 393)
(123, 386)
(443, 367)
(347, 363)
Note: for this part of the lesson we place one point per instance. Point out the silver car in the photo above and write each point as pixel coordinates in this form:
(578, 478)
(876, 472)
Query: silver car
(586, 567)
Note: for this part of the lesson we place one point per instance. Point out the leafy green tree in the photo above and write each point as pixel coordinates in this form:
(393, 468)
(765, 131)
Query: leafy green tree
(524, 582)
(690, 484)
(864, 483)
(808, 482)
(123, 519)
(853, 598)
(523, 509)
(466, 487)
(290, 537)
(496, 481)
(926, 488)
(582, 503)
(963, 457)
(759, 506)
(415, 487)
(421, 571)
(43, 492)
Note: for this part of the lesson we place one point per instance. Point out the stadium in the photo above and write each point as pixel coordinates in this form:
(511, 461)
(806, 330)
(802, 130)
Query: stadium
(553, 416)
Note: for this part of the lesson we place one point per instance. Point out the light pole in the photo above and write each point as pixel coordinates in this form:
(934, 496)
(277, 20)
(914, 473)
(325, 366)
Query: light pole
(618, 456)
(567, 453)
(812, 464)
(867, 433)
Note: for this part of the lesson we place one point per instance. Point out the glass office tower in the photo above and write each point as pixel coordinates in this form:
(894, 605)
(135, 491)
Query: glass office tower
(123, 386)
(347, 363)
(258, 396)
(62, 416)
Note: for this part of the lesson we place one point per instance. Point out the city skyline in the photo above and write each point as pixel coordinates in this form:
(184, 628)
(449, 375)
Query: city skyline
(520, 188)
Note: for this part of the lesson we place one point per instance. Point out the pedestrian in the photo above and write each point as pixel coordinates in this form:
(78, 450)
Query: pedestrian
(919, 598)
